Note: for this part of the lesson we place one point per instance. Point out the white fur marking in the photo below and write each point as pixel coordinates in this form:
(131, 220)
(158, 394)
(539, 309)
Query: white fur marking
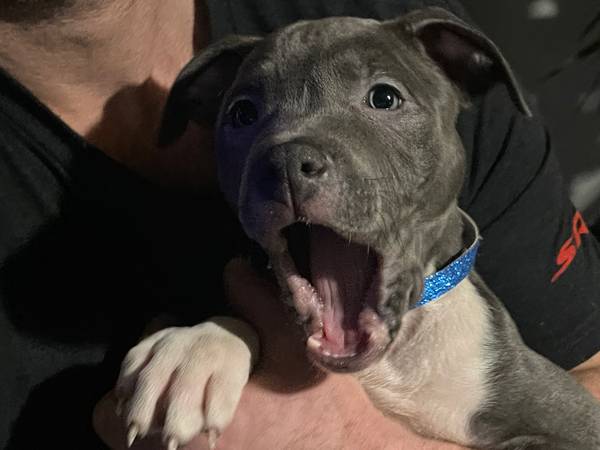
(434, 374)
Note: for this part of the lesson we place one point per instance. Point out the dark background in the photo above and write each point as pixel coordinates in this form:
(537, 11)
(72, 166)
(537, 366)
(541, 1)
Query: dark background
(536, 46)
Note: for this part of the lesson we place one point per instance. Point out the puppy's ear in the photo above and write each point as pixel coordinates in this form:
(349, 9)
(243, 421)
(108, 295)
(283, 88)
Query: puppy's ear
(198, 90)
(465, 54)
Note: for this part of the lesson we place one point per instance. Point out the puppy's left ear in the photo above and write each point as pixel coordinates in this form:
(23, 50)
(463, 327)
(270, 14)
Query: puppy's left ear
(468, 57)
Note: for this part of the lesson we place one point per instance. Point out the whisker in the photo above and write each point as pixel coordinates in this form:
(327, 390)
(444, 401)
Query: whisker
(376, 179)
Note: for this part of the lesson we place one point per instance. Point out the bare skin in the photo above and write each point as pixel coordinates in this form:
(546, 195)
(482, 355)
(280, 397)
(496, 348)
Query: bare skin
(105, 71)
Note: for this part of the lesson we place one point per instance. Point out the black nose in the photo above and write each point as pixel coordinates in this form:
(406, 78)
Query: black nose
(306, 162)
(291, 171)
(308, 170)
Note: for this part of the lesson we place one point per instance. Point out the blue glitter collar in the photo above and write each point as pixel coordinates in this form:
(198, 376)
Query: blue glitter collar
(447, 278)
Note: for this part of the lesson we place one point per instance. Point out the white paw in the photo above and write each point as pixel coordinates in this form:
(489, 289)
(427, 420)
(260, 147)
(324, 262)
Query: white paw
(186, 380)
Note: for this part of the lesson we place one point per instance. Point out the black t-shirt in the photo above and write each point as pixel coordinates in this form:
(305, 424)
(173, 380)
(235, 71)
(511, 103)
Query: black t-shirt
(89, 252)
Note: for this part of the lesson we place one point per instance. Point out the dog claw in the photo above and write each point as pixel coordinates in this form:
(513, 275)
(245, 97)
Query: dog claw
(213, 435)
(132, 434)
(173, 444)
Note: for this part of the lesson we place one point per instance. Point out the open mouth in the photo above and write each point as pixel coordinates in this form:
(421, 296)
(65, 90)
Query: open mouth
(335, 286)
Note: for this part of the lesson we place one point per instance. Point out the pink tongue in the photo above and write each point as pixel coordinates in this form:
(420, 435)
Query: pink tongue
(340, 272)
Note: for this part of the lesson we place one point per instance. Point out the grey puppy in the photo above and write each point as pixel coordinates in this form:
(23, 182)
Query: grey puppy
(337, 145)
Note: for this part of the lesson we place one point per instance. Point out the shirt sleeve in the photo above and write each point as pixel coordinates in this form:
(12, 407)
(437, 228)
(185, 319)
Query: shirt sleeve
(537, 254)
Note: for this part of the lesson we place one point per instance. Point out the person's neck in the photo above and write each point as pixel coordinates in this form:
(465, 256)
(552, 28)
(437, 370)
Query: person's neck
(106, 71)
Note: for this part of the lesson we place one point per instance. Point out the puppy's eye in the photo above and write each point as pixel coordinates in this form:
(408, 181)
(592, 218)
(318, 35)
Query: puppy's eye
(243, 113)
(384, 96)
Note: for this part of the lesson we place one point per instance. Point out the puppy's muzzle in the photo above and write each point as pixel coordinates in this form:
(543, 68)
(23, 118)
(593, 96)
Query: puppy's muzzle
(286, 183)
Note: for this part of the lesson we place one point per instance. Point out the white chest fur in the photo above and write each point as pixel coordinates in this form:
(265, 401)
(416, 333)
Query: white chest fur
(434, 375)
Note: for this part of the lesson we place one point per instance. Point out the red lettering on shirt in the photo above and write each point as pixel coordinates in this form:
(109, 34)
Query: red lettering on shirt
(568, 250)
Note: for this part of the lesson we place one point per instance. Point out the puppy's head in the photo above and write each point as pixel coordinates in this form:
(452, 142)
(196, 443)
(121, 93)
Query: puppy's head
(336, 143)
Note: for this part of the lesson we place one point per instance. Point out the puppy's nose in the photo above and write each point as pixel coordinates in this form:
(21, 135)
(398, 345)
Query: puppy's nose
(306, 168)
(290, 172)
(306, 162)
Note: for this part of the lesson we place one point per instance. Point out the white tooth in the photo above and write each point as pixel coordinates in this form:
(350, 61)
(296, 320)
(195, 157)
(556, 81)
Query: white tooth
(313, 343)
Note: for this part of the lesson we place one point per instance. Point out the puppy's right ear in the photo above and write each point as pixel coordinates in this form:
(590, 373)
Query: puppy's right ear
(198, 90)
(468, 57)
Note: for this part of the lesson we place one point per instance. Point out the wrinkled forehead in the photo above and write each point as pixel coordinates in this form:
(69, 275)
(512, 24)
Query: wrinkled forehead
(329, 53)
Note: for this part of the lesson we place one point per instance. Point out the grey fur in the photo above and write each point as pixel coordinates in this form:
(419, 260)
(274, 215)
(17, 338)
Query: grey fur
(391, 182)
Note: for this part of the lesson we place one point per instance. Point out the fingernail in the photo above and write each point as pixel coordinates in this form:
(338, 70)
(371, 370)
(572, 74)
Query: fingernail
(132, 434)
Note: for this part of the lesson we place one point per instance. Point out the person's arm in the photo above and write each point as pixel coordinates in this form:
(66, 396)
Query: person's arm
(588, 374)
(282, 408)
(287, 404)
(335, 414)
